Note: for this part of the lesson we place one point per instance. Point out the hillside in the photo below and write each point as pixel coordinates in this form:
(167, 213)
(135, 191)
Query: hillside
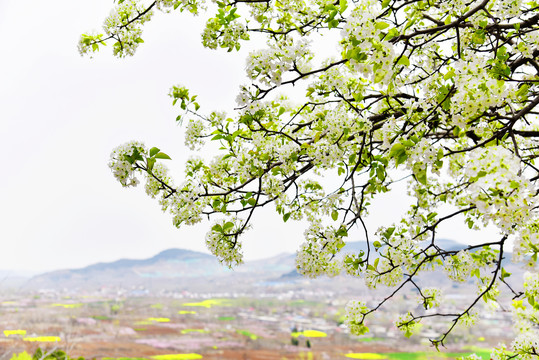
(172, 268)
(178, 270)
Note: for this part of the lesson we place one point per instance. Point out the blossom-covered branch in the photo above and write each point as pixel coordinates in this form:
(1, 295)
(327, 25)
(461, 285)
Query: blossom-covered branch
(441, 94)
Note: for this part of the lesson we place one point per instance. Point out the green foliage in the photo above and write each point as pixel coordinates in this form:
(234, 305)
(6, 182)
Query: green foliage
(56, 354)
(21, 356)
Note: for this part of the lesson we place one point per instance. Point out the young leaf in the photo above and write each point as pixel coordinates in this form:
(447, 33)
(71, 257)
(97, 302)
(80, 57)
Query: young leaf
(161, 155)
(404, 60)
(286, 217)
(154, 151)
(228, 226)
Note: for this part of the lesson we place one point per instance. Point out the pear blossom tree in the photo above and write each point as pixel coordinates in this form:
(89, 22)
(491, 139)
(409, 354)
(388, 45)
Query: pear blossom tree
(440, 94)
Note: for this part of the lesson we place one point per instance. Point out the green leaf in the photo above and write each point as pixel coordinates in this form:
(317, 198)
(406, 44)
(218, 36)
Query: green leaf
(505, 274)
(333, 23)
(449, 74)
(501, 53)
(229, 225)
(151, 163)
(286, 217)
(396, 149)
(381, 25)
(387, 234)
(517, 304)
(334, 215)
(362, 330)
(129, 159)
(391, 34)
(408, 143)
(420, 172)
(399, 153)
(404, 60)
(161, 155)
(380, 174)
(154, 151)
(342, 231)
(217, 228)
(379, 76)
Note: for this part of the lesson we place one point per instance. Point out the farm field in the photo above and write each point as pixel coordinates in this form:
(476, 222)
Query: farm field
(179, 326)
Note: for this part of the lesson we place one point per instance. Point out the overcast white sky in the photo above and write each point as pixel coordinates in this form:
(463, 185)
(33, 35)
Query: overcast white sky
(62, 114)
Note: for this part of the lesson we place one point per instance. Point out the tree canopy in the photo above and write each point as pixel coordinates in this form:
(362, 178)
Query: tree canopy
(440, 94)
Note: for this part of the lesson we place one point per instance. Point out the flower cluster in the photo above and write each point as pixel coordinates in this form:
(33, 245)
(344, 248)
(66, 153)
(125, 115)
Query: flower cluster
(361, 41)
(355, 312)
(531, 284)
(498, 191)
(360, 24)
(217, 35)
(499, 353)
(187, 205)
(458, 267)
(526, 245)
(385, 273)
(287, 14)
(316, 256)
(222, 241)
(124, 24)
(122, 161)
(191, 5)
(507, 8)
(407, 324)
(268, 66)
(194, 134)
(526, 344)
(431, 297)
(89, 43)
(155, 180)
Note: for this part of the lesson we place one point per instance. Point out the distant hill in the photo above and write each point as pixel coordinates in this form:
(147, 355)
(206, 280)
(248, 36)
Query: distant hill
(14, 279)
(173, 268)
(177, 269)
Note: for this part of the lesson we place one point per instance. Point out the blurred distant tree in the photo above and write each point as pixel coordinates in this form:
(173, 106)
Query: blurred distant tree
(440, 94)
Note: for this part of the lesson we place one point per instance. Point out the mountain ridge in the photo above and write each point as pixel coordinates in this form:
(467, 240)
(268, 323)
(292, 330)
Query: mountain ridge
(182, 269)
